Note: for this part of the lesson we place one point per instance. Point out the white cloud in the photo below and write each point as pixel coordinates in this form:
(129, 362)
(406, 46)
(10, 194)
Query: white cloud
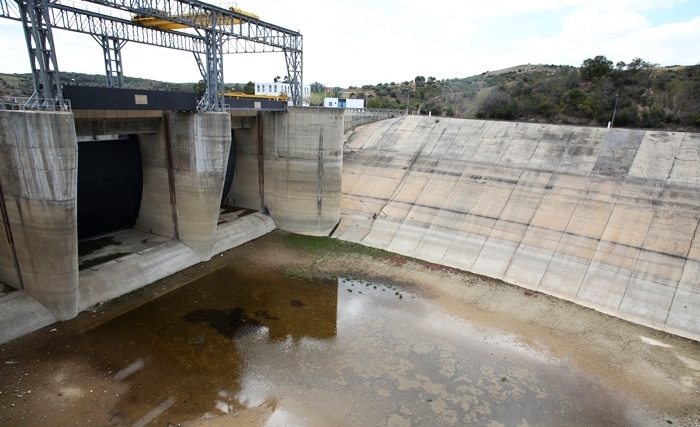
(619, 35)
(495, 8)
(365, 41)
(593, 24)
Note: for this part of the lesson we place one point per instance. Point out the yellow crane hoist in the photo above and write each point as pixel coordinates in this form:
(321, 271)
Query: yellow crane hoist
(164, 24)
(242, 95)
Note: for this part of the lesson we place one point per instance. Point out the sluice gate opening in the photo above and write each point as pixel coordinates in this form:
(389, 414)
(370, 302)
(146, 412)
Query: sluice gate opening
(110, 181)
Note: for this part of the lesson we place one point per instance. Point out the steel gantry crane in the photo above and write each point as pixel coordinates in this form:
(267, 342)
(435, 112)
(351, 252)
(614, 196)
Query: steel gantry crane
(164, 23)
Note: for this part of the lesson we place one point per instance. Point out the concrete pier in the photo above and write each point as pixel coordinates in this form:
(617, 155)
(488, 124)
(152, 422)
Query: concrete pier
(184, 165)
(38, 153)
(289, 165)
(605, 218)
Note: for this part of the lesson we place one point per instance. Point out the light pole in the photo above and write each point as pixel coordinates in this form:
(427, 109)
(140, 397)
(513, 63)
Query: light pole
(612, 122)
(408, 99)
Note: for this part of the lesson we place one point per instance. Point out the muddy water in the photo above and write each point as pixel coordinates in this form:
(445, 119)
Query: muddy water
(343, 352)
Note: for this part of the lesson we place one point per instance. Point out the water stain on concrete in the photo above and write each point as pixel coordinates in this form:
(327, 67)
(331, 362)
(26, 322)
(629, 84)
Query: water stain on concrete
(88, 263)
(88, 247)
(5, 289)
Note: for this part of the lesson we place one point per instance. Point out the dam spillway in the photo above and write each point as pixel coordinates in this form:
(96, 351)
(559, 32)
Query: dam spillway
(605, 218)
(151, 182)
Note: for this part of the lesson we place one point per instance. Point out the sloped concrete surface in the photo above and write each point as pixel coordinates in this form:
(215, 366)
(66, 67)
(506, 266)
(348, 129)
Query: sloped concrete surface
(21, 314)
(240, 231)
(118, 277)
(604, 218)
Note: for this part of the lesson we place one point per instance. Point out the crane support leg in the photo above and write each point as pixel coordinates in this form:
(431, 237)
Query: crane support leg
(213, 99)
(40, 46)
(294, 73)
(112, 49)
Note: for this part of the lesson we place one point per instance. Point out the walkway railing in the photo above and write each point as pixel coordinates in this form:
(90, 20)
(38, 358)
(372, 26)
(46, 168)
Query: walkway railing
(376, 110)
(34, 104)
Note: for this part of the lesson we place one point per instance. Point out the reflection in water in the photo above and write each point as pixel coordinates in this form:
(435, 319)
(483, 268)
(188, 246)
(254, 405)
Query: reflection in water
(180, 348)
(345, 353)
(232, 323)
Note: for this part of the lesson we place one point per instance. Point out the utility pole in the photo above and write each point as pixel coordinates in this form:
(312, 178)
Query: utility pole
(612, 122)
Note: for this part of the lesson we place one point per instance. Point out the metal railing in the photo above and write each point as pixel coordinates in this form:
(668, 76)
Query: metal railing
(375, 110)
(34, 104)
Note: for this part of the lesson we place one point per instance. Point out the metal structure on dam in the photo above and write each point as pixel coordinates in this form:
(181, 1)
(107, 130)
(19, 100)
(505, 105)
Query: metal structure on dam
(218, 31)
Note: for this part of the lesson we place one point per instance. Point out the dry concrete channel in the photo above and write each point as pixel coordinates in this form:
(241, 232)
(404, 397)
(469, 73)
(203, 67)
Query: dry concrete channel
(604, 218)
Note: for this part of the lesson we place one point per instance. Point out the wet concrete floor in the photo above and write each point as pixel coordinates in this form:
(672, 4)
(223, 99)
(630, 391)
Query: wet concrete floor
(341, 352)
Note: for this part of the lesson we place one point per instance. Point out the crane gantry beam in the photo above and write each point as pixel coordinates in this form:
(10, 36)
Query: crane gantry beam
(219, 31)
(198, 14)
(84, 21)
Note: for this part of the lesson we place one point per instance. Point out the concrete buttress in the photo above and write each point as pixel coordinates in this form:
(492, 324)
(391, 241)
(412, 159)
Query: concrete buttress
(38, 154)
(184, 166)
(303, 152)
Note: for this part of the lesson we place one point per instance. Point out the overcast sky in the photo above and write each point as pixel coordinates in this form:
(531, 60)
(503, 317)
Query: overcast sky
(358, 42)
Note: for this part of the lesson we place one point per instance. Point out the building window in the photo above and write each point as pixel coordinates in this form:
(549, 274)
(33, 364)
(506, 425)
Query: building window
(275, 88)
(270, 89)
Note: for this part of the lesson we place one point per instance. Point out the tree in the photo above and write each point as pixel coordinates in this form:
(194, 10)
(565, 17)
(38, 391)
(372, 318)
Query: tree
(419, 80)
(316, 99)
(595, 68)
(374, 103)
(276, 79)
(238, 87)
(318, 87)
(249, 88)
(199, 88)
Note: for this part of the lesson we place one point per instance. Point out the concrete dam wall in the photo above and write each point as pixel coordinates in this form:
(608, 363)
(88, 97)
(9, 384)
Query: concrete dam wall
(605, 218)
(288, 170)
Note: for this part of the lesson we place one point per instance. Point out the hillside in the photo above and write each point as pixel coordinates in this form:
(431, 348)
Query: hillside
(22, 84)
(647, 96)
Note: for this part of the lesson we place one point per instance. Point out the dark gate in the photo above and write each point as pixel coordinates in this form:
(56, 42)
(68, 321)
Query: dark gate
(230, 169)
(110, 181)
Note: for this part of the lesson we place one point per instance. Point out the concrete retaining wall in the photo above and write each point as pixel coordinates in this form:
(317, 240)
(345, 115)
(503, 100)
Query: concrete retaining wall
(605, 218)
(362, 116)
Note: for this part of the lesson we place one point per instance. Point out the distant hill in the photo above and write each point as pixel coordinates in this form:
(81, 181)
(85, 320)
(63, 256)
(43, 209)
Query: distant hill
(22, 84)
(647, 96)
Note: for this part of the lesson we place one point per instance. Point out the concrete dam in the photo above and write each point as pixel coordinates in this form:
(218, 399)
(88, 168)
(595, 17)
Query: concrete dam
(153, 182)
(606, 218)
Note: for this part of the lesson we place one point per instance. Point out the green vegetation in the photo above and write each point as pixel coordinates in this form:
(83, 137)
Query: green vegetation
(198, 340)
(647, 96)
(23, 84)
(328, 245)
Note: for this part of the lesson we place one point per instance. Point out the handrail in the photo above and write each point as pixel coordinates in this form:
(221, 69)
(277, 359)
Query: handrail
(34, 104)
(376, 110)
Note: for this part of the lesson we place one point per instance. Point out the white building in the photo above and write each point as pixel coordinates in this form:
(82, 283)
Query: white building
(343, 103)
(274, 89)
